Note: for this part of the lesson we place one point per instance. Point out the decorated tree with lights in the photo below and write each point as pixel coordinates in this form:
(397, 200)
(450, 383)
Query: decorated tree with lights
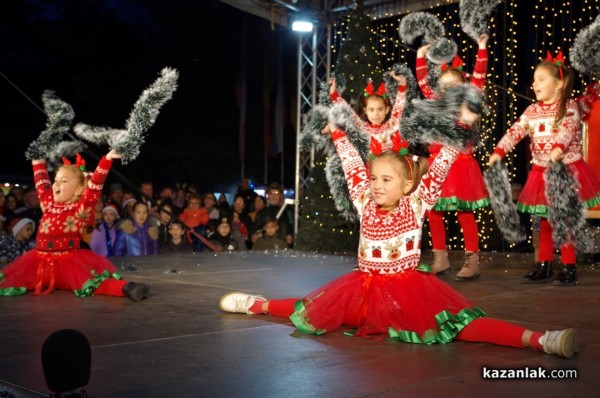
(358, 60)
(321, 227)
(328, 222)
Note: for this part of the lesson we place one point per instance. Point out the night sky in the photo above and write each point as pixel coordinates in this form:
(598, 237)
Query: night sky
(100, 55)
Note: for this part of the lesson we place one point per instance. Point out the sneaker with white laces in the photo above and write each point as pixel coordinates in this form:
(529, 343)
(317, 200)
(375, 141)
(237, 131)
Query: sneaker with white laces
(239, 302)
(560, 342)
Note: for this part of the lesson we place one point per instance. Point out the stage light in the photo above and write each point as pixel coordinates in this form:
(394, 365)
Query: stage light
(302, 25)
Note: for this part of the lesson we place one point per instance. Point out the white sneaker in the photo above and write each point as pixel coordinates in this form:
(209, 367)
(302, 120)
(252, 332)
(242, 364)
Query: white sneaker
(560, 342)
(239, 302)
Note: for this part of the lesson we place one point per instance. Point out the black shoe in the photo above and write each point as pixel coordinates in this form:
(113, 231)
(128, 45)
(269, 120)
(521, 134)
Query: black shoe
(136, 291)
(566, 277)
(541, 273)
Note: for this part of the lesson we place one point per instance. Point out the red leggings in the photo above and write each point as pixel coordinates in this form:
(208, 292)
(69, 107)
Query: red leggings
(111, 287)
(546, 249)
(467, 222)
(484, 330)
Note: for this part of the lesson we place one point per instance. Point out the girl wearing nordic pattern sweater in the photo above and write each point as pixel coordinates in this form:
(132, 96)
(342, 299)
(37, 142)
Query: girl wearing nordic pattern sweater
(554, 126)
(386, 295)
(58, 262)
(464, 189)
(376, 119)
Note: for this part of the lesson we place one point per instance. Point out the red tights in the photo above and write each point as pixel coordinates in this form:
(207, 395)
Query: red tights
(495, 331)
(482, 330)
(111, 287)
(546, 252)
(467, 222)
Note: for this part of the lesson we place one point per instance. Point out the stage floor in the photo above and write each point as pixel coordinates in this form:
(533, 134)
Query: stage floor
(177, 343)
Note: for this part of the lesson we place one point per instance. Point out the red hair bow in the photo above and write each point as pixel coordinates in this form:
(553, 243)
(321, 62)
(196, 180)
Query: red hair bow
(79, 162)
(370, 90)
(457, 63)
(559, 60)
(399, 145)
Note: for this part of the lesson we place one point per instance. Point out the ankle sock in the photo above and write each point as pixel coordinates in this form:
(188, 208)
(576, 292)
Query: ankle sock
(534, 341)
(257, 307)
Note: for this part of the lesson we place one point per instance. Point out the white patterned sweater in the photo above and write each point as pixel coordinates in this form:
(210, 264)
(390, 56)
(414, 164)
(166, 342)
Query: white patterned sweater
(537, 122)
(381, 132)
(390, 242)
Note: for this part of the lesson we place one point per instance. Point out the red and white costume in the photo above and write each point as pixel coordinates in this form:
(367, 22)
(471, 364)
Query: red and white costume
(537, 122)
(464, 189)
(388, 294)
(58, 262)
(382, 132)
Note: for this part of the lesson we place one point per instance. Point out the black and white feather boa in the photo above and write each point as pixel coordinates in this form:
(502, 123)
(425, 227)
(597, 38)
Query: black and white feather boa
(435, 120)
(566, 211)
(127, 141)
(585, 54)
(424, 24)
(503, 207)
(52, 144)
(474, 16)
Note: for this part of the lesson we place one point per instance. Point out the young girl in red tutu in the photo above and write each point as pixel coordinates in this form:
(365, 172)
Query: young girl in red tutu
(553, 124)
(391, 294)
(58, 262)
(464, 189)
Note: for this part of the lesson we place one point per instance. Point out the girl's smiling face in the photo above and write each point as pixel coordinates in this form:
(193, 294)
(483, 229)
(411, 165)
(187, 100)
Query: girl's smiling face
(67, 186)
(386, 184)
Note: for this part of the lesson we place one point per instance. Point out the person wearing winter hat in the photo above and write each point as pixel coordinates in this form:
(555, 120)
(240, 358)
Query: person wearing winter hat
(104, 235)
(18, 241)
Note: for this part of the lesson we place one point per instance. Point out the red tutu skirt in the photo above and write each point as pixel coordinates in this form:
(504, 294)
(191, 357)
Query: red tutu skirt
(411, 306)
(79, 270)
(533, 196)
(464, 187)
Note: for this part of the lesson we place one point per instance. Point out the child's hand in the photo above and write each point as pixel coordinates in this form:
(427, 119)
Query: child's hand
(327, 130)
(332, 86)
(401, 79)
(482, 41)
(423, 50)
(494, 157)
(556, 154)
(113, 155)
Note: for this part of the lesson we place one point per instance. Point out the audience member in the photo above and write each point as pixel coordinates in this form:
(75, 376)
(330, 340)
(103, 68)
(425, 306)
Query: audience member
(32, 208)
(177, 241)
(165, 217)
(10, 205)
(17, 241)
(210, 204)
(105, 234)
(240, 219)
(274, 203)
(223, 206)
(269, 239)
(260, 202)
(195, 218)
(166, 195)
(136, 237)
(127, 207)
(180, 200)
(246, 192)
(222, 235)
(116, 195)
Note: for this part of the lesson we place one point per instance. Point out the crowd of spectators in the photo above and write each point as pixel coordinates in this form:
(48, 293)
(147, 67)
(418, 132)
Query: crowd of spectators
(179, 219)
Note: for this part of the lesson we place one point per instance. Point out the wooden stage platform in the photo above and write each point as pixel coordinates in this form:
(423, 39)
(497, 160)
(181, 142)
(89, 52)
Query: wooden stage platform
(177, 343)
